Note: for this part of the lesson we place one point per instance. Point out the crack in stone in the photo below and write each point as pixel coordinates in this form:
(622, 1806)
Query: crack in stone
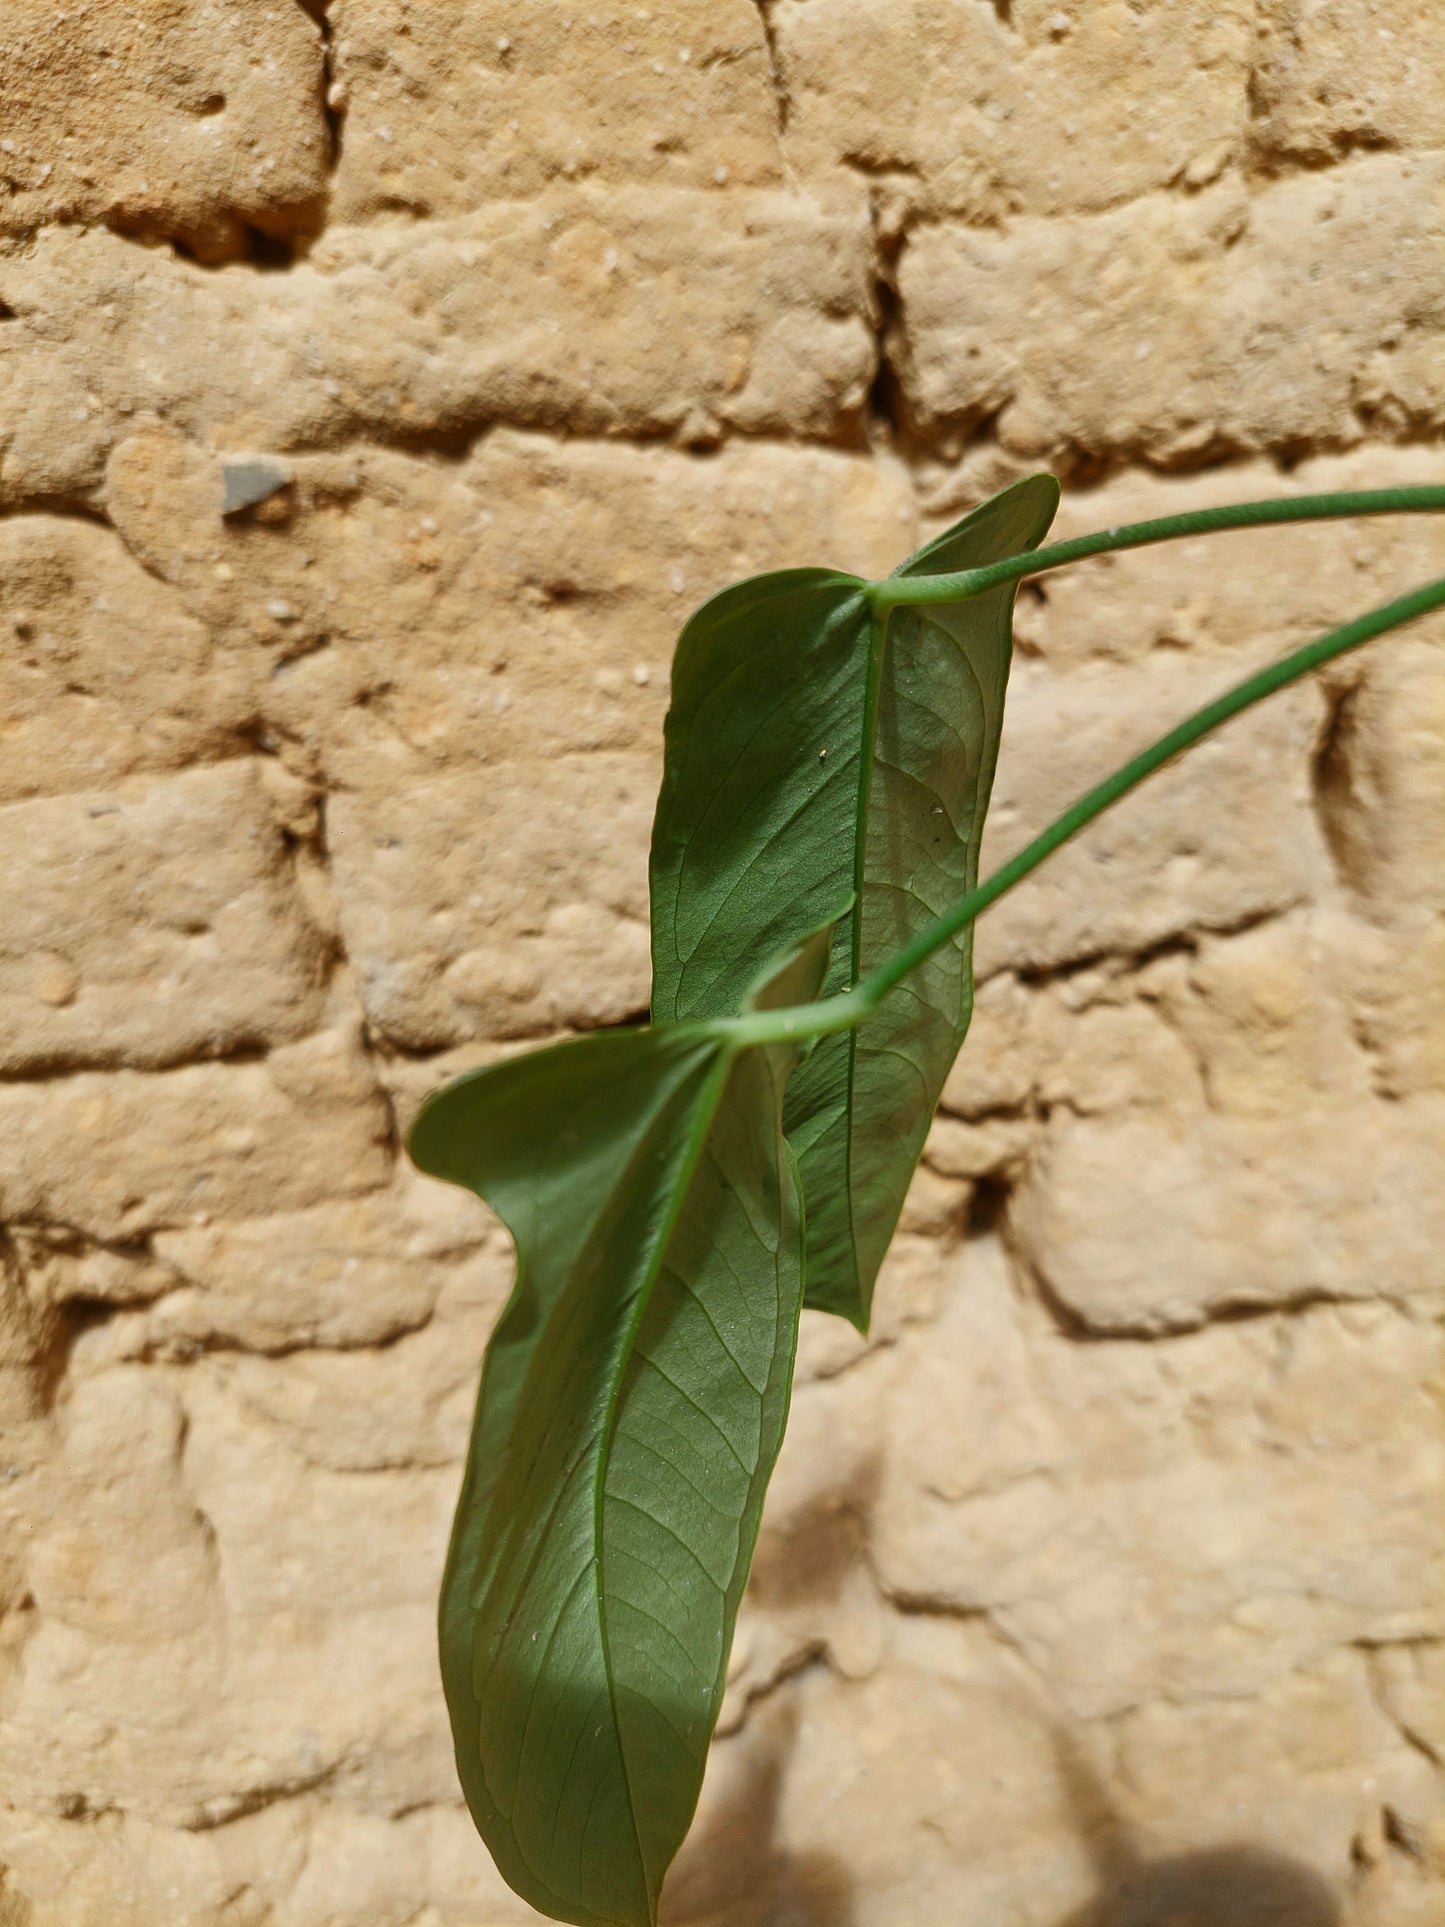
(781, 96)
(332, 103)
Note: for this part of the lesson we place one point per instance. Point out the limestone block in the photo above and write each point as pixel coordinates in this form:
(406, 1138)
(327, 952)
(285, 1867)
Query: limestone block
(468, 909)
(995, 1070)
(1225, 836)
(525, 603)
(1259, 1168)
(115, 1870)
(927, 1792)
(359, 1272)
(27, 1338)
(367, 1866)
(158, 921)
(1177, 1521)
(567, 312)
(123, 1569)
(1335, 76)
(1410, 1682)
(1314, 1750)
(1250, 589)
(680, 94)
(937, 1203)
(995, 1147)
(347, 1562)
(1260, 1017)
(1382, 779)
(1170, 329)
(1104, 1053)
(352, 540)
(229, 1689)
(1394, 984)
(1154, 1223)
(124, 1505)
(1034, 108)
(187, 123)
(116, 1155)
(101, 672)
(349, 1412)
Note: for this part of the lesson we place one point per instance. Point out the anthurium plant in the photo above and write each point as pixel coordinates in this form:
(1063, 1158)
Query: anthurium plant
(677, 1193)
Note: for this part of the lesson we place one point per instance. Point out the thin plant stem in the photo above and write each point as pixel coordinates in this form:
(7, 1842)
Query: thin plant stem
(897, 591)
(852, 1007)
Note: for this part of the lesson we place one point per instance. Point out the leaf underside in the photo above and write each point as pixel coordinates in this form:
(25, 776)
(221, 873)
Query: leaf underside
(811, 757)
(635, 1390)
(631, 1408)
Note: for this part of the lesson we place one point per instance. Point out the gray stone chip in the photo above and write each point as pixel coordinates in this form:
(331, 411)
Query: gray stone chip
(248, 479)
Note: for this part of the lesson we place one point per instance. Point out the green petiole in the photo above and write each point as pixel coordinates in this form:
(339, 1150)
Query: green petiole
(896, 591)
(847, 1011)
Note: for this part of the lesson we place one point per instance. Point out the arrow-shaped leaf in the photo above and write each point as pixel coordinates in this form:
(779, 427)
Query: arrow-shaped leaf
(814, 748)
(632, 1405)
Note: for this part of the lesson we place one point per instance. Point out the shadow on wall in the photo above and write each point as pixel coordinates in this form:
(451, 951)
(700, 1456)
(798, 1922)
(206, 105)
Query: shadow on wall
(1218, 1887)
(734, 1871)
(1230, 1886)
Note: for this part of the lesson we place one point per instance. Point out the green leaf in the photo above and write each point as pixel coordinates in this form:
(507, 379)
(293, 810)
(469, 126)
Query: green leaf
(632, 1405)
(812, 755)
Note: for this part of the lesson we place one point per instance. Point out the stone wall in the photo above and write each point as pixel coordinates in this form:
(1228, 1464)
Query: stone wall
(1104, 1585)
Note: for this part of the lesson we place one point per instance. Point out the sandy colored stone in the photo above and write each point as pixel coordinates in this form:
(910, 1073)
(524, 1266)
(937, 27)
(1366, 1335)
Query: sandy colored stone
(1334, 76)
(870, 1799)
(168, 122)
(100, 673)
(565, 312)
(1186, 1522)
(940, 98)
(463, 911)
(570, 571)
(302, 1851)
(1258, 1168)
(1382, 780)
(119, 1154)
(351, 1274)
(1169, 329)
(1334, 1201)
(1225, 836)
(1395, 983)
(525, 602)
(162, 922)
(209, 1659)
(1330, 1756)
(680, 94)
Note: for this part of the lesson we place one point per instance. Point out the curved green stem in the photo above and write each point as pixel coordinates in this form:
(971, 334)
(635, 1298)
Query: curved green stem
(897, 591)
(847, 1011)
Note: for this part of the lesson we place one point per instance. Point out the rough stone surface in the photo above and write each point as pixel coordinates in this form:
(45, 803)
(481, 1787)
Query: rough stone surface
(680, 95)
(1169, 329)
(986, 111)
(187, 122)
(381, 384)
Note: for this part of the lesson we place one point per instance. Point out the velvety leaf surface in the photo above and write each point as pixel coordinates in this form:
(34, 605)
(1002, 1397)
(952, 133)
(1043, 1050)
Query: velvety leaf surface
(810, 756)
(632, 1405)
